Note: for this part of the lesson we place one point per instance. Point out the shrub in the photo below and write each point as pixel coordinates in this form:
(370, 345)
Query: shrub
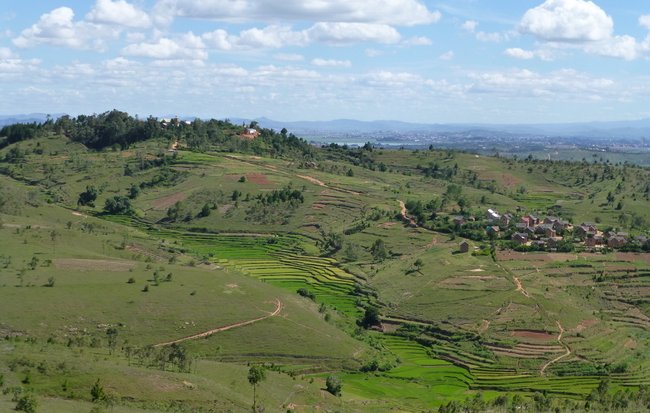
(333, 385)
(27, 404)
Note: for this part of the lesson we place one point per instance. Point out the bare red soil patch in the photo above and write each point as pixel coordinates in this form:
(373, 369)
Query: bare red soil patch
(585, 324)
(164, 203)
(522, 256)
(259, 179)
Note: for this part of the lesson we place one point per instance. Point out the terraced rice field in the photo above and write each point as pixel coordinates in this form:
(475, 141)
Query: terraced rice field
(442, 367)
(274, 259)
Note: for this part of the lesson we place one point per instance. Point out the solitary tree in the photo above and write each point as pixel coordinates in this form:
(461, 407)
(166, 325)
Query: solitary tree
(256, 375)
(378, 250)
(97, 392)
(370, 318)
(333, 385)
(111, 334)
(88, 197)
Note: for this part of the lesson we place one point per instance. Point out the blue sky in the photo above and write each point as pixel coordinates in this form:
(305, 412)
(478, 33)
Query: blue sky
(497, 61)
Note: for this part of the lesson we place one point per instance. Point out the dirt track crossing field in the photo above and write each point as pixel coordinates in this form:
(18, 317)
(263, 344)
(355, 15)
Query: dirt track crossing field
(278, 309)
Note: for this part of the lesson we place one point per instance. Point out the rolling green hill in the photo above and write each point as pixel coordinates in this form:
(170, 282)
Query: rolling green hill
(276, 253)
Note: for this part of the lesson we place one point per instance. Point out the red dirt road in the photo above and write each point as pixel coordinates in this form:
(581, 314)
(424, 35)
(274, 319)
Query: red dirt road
(278, 309)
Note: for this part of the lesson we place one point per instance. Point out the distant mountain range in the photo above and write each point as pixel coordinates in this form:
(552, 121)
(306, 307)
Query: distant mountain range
(634, 129)
(607, 130)
(29, 118)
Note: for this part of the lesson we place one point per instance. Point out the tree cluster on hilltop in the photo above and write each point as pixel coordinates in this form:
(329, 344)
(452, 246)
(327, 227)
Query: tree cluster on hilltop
(116, 129)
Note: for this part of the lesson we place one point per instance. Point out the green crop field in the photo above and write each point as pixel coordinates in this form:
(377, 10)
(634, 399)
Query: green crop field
(317, 264)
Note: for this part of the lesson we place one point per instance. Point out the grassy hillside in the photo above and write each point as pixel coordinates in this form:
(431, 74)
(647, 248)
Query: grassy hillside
(221, 242)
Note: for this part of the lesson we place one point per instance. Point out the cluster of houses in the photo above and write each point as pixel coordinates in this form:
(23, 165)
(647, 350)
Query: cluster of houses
(548, 232)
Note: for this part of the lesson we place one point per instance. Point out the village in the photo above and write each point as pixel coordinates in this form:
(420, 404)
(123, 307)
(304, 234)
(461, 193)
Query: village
(533, 233)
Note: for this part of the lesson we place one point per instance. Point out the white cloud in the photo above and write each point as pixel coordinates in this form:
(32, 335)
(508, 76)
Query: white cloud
(118, 12)
(392, 12)
(567, 21)
(494, 37)
(289, 57)
(219, 39)
(331, 63)
(566, 84)
(623, 47)
(418, 41)
(470, 26)
(273, 37)
(58, 28)
(370, 52)
(276, 37)
(518, 53)
(6, 53)
(346, 33)
(447, 56)
(186, 47)
(645, 21)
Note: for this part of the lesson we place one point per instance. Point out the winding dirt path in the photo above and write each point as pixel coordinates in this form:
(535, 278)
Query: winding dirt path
(559, 340)
(324, 185)
(404, 213)
(521, 288)
(278, 309)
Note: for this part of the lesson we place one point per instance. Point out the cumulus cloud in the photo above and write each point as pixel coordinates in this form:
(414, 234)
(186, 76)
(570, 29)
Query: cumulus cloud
(345, 33)
(276, 37)
(118, 12)
(331, 63)
(470, 26)
(271, 37)
(393, 12)
(185, 47)
(645, 21)
(58, 28)
(577, 24)
(518, 53)
(567, 21)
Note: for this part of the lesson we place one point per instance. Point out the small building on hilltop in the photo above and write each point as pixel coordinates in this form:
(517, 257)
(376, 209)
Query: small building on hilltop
(250, 134)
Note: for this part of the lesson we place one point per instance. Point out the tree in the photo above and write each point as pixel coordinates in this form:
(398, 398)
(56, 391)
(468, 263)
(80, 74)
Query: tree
(205, 211)
(378, 250)
(97, 392)
(88, 197)
(134, 191)
(370, 318)
(256, 374)
(333, 385)
(111, 334)
(351, 252)
(118, 205)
